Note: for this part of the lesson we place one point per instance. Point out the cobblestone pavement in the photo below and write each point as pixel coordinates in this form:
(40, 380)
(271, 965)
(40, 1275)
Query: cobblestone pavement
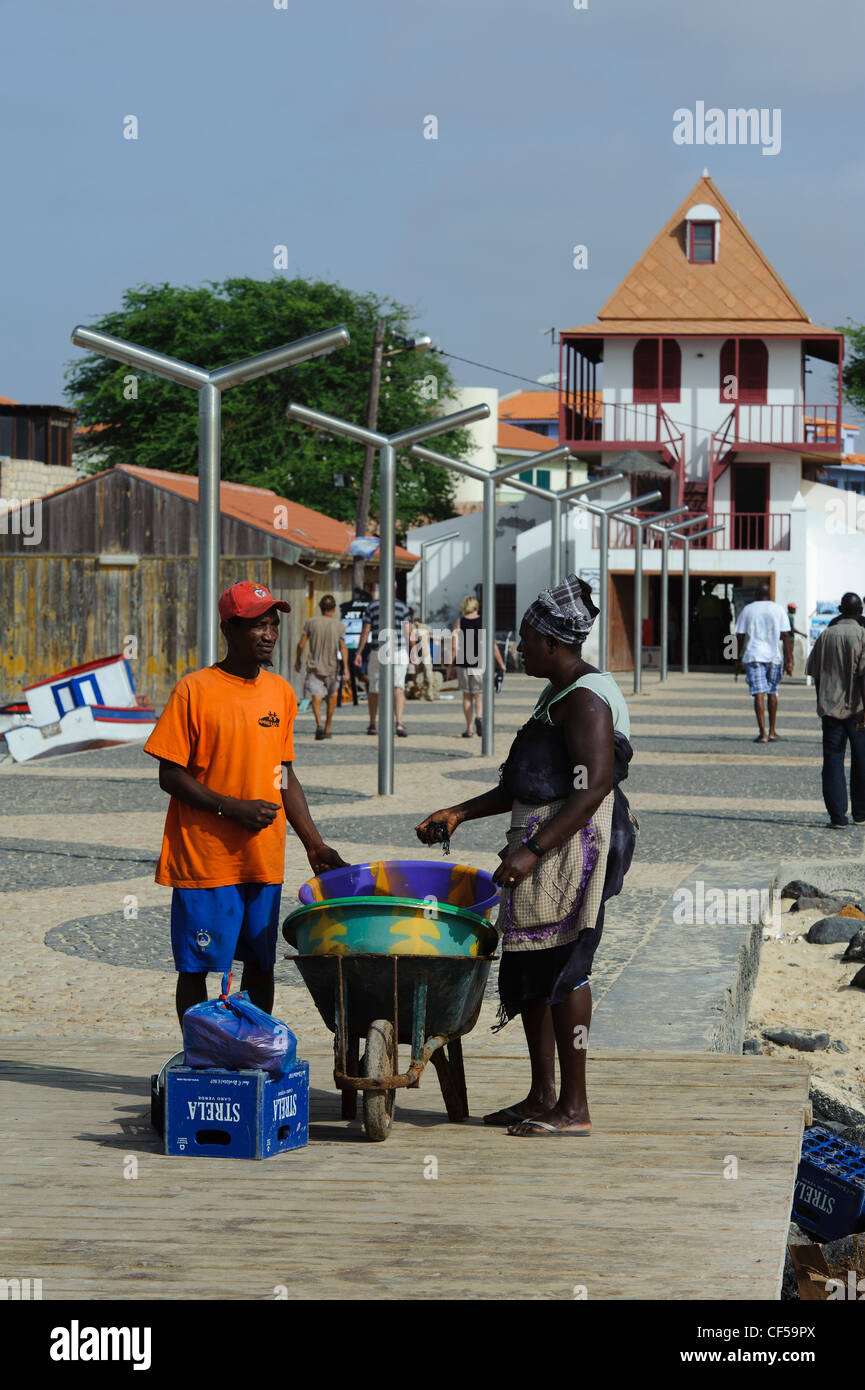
(85, 929)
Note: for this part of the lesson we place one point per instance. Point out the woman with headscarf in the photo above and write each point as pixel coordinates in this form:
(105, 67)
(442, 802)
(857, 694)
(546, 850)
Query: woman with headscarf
(569, 846)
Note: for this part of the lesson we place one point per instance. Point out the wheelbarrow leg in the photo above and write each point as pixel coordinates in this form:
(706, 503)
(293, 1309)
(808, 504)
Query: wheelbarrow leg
(455, 1057)
(352, 1062)
(453, 1094)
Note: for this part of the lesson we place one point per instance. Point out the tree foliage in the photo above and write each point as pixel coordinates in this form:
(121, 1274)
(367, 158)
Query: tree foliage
(854, 368)
(154, 423)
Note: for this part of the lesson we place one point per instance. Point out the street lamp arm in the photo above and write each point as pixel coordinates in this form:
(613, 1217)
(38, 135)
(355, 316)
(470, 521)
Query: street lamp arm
(158, 363)
(580, 488)
(319, 420)
(470, 470)
(301, 350)
(441, 424)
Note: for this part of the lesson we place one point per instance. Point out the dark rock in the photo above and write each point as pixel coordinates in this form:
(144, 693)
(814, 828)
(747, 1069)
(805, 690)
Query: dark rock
(855, 1134)
(823, 903)
(858, 981)
(797, 888)
(856, 949)
(839, 1046)
(805, 1039)
(751, 1046)
(835, 1102)
(830, 931)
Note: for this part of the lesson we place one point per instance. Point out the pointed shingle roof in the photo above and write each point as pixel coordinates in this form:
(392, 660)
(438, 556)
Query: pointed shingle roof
(664, 292)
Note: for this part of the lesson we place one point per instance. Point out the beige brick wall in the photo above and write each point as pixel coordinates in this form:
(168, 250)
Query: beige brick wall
(23, 479)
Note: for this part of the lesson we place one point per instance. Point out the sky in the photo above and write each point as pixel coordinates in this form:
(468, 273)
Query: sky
(303, 126)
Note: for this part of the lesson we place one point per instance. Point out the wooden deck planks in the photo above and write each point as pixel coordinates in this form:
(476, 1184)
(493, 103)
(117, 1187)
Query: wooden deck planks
(640, 1210)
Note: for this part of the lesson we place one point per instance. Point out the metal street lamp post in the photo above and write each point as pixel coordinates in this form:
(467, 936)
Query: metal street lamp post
(209, 386)
(604, 514)
(387, 446)
(665, 532)
(639, 523)
(687, 542)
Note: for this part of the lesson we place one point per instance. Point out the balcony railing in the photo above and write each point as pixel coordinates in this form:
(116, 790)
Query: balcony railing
(815, 426)
(742, 531)
(586, 419)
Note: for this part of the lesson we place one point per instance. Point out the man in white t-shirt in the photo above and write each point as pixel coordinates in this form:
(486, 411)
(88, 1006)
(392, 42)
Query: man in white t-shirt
(762, 629)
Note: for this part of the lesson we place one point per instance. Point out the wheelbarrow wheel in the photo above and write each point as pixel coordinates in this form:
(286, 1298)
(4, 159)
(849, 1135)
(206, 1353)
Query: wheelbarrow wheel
(378, 1061)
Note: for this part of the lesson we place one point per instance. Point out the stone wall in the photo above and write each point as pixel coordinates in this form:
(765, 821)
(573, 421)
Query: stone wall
(21, 480)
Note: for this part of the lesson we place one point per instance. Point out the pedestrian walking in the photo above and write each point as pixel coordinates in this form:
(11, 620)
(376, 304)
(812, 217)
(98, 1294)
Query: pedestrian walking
(569, 846)
(392, 647)
(837, 667)
(420, 656)
(226, 758)
(762, 628)
(467, 660)
(352, 620)
(327, 650)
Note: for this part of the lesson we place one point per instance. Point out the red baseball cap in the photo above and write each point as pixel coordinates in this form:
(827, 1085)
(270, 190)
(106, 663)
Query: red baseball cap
(249, 600)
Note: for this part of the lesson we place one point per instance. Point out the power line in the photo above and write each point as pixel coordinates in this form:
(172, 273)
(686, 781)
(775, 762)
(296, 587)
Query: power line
(538, 385)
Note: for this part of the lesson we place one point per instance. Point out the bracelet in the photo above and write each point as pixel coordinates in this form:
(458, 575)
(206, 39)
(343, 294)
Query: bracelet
(535, 848)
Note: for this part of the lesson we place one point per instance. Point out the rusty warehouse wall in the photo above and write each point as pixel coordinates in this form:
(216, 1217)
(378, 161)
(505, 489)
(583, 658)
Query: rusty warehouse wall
(60, 611)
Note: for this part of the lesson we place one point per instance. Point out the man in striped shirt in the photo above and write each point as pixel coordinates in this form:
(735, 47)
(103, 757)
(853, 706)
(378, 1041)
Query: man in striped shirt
(394, 647)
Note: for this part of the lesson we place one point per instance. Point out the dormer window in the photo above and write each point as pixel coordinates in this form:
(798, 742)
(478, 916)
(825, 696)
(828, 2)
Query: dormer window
(702, 247)
(702, 234)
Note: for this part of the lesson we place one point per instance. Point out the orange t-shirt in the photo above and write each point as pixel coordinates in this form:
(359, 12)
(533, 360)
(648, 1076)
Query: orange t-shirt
(232, 735)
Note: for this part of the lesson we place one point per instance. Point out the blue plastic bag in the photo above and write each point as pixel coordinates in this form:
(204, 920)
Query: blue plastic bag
(233, 1033)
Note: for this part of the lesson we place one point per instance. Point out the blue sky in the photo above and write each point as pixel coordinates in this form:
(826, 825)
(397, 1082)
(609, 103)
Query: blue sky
(304, 126)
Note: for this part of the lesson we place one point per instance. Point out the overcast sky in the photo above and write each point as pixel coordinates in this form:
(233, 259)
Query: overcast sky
(304, 126)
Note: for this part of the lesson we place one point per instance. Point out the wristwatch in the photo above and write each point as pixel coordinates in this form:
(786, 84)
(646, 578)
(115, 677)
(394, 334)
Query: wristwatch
(535, 848)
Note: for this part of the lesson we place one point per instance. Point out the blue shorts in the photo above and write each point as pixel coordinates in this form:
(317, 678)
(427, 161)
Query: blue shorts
(763, 677)
(211, 927)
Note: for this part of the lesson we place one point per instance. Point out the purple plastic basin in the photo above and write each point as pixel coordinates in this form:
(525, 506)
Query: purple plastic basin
(421, 879)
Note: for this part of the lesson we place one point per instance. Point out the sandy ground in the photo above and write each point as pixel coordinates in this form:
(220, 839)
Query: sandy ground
(801, 985)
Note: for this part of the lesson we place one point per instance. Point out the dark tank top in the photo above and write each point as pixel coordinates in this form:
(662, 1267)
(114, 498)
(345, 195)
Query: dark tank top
(468, 644)
(538, 767)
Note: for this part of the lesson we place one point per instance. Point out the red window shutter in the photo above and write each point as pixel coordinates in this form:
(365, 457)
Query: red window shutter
(646, 371)
(753, 370)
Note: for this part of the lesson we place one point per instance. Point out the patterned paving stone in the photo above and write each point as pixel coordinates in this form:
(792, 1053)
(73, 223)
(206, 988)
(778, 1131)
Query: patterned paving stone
(33, 864)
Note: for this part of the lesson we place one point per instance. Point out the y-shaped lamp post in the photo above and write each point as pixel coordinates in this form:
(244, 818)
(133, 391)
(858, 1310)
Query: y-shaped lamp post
(209, 386)
(387, 446)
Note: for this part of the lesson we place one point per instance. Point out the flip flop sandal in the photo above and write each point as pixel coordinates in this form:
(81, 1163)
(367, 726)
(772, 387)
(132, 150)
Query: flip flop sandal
(515, 1118)
(401, 732)
(372, 729)
(551, 1129)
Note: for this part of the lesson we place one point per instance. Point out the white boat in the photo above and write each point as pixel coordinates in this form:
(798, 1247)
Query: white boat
(88, 706)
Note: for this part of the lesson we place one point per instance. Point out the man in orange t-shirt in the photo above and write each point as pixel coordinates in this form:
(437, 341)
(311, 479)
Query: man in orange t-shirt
(225, 748)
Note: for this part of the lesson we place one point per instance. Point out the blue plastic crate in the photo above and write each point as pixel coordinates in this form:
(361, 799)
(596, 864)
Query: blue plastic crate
(829, 1195)
(213, 1113)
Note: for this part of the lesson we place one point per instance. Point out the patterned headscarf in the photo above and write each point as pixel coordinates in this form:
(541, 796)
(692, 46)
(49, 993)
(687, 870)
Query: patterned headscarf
(565, 612)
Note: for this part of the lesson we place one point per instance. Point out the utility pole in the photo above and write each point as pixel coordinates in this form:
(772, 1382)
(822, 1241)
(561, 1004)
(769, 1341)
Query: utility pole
(369, 453)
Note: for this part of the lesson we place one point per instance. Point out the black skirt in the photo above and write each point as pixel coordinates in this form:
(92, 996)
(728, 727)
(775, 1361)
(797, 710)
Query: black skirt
(526, 977)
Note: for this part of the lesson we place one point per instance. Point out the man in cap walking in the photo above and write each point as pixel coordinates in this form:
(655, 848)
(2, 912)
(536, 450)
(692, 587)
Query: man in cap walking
(225, 747)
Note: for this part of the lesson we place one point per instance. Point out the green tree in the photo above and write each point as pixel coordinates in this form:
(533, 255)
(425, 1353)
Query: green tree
(221, 322)
(854, 368)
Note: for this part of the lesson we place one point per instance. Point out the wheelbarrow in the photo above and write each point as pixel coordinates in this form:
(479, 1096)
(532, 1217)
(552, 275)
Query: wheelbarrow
(427, 1001)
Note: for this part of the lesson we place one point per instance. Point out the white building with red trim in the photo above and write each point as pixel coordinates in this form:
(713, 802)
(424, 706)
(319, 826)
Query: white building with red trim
(699, 361)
